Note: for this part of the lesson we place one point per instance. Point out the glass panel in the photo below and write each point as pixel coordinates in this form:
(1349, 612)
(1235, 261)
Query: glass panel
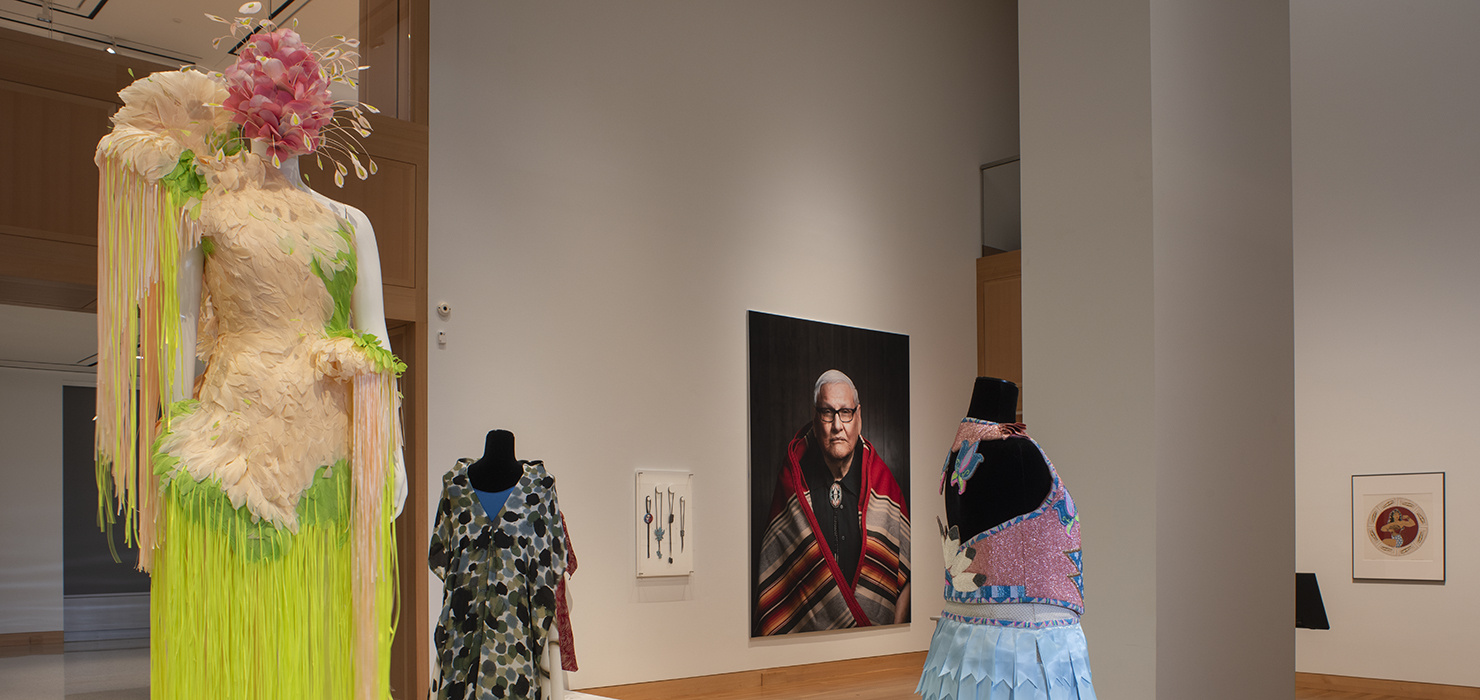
(386, 48)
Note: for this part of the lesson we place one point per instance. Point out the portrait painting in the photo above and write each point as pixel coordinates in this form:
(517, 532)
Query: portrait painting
(1398, 526)
(829, 476)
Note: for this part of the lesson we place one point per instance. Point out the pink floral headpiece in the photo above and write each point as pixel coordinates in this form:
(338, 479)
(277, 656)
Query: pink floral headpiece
(278, 93)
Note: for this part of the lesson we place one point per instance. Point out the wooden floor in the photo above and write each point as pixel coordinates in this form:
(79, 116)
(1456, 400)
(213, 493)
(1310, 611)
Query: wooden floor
(883, 684)
(1310, 694)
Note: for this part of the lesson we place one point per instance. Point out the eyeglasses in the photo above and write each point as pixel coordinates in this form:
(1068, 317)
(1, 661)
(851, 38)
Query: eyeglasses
(845, 415)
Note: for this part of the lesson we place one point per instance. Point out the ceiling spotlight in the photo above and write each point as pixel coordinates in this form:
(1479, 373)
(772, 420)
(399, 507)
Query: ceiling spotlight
(112, 47)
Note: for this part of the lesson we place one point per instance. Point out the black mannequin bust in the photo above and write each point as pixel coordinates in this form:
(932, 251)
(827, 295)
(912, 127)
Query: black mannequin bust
(1013, 478)
(497, 470)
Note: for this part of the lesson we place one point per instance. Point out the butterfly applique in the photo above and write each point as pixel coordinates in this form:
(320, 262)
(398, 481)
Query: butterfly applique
(960, 467)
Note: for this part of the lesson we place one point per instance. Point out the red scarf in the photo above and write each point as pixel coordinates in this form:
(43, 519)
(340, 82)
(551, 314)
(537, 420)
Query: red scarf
(800, 579)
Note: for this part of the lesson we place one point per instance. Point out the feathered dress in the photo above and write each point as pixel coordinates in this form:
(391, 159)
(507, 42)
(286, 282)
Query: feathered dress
(262, 506)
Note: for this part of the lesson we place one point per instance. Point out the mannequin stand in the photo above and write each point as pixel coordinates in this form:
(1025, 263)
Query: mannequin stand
(552, 687)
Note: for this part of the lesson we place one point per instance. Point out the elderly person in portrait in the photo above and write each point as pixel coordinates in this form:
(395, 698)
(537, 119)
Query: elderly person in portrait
(836, 552)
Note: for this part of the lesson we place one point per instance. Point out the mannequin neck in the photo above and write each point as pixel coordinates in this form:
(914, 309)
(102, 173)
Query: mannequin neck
(498, 469)
(1014, 476)
(288, 168)
(993, 400)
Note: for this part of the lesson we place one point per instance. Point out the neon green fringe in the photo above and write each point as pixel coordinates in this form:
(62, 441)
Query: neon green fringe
(143, 229)
(251, 612)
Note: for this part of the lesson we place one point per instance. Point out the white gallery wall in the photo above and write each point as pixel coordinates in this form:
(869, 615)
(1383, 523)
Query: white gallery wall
(615, 184)
(1158, 339)
(1386, 126)
(31, 499)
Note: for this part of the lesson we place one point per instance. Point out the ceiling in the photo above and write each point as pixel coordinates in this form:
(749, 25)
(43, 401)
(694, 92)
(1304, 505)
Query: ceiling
(47, 338)
(171, 31)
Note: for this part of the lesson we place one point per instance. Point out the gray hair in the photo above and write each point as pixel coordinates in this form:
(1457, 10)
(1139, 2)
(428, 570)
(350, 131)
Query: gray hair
(833, 376)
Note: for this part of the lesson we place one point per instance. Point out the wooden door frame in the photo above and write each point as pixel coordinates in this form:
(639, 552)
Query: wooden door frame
(999, 319)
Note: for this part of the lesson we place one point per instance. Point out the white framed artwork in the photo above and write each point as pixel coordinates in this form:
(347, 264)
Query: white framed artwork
(665, 523)
(1398, 526)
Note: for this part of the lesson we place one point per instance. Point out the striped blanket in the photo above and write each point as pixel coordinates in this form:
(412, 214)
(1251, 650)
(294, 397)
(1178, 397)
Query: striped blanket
(802, 588)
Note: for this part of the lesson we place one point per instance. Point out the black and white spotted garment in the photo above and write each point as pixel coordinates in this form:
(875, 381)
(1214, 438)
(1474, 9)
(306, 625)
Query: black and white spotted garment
(499, 573)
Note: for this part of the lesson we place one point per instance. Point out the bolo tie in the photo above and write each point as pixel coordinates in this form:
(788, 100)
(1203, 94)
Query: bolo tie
(658, 533)
(835, 499)
(648, 518)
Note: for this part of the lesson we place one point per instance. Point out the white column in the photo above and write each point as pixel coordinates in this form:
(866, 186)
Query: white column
(1158, 330)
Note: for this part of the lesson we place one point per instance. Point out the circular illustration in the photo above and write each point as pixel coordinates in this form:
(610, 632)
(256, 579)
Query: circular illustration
(1397, 527)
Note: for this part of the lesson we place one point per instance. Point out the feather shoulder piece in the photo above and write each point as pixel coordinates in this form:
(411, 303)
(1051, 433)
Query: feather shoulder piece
(149, 193)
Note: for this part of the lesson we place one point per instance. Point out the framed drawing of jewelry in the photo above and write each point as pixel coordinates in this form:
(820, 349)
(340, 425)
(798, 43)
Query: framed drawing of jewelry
(665, 528)
(1398, 527)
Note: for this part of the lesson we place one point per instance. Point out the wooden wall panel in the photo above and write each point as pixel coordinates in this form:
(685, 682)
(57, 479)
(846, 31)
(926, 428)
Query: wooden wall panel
(999, 319)
(55, 100)
(48, 183)
(389, 199)
(411, 548)
(399, 29)
(403, 303)
(31, 643)
(52, 261)
(75, 70)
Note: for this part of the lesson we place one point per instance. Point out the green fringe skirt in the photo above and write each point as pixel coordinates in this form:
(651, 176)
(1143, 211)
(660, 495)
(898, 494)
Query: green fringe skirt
(244, 610)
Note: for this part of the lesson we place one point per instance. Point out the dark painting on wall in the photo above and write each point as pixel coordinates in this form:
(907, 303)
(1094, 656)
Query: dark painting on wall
(88, 565)
(829, 476)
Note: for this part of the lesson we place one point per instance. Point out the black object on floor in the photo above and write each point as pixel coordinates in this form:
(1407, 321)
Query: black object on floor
(1310, 612)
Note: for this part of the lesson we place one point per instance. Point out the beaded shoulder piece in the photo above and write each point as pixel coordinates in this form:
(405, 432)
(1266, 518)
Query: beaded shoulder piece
(1033, 558)
(963, 460)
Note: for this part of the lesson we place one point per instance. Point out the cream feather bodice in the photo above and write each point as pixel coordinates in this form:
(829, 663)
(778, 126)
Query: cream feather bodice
(273, 403)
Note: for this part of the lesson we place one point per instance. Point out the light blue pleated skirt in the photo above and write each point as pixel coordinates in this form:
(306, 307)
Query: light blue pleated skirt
(970, 661)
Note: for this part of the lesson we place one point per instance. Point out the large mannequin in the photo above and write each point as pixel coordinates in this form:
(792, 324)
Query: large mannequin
(1013, 478)
(1014, 585)
(497, 470)
(499, 545)
(273, 477)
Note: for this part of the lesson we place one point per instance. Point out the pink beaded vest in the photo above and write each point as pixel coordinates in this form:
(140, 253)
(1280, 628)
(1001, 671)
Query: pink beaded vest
(1033, 558)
